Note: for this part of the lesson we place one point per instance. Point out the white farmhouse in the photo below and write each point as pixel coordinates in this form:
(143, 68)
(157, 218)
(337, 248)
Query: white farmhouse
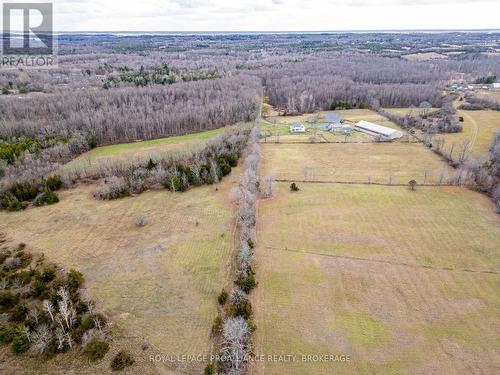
(297, 128)
(378, 130)
(495, 86)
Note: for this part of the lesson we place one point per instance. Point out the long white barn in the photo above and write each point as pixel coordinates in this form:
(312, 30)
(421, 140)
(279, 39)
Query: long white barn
(378, 130)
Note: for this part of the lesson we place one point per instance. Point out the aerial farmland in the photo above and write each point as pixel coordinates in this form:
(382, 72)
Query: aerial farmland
(264, 203)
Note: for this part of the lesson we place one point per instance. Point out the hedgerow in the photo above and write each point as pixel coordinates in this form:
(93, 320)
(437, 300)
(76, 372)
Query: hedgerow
(235, 327)
(176, 173)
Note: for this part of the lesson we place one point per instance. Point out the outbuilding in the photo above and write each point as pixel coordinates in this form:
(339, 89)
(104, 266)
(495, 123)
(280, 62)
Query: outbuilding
(339, 128)
(297, 128)
(378, 130)
(334, 118)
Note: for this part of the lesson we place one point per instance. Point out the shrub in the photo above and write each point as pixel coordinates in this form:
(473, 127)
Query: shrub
(250, 243)
(113, 189)
(23, 277)
(16, 205)
(216, 327)
(18, 313)
(11, 203)
(51, 349)
(7, 301)
(53, 182)
(46, 198)
(294, 187)
(74, 280)
(12, 264)
(8, 332)
(151, 165)
(461, 118)
(225, 169)
(175, 183)
(247, 283)
(96, 349)
(92, 142)
(222, 297)
(20, 343)
(37, 288)
(243, 309)
(85, 323)
(141, 220)
(3, 255)
(121, 360)
(24, 191)
(24, 258)
(48, 274)
(210, 369)
(412, 184)
(231, 159)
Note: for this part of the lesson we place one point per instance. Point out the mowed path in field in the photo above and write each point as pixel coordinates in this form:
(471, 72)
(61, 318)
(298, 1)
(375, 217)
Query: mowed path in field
(403, 282)
(157, 283)
(479, 128)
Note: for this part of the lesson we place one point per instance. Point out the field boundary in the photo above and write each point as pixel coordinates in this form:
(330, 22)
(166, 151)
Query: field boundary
(402, 264)
(339, 182)
(335, 142)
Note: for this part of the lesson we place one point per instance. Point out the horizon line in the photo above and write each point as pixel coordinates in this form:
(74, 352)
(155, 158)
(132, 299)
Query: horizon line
(495, 30)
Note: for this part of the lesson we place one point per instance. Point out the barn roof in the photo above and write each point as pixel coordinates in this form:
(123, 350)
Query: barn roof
(334, 117)
(379, 129)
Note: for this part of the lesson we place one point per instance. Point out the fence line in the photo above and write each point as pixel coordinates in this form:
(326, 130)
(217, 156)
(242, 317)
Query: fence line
(334, 142)
(385, 261)
(339, 182)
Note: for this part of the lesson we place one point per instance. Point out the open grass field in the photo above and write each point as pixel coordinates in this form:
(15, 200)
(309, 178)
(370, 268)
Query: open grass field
(157, 283)
(397, 280)
(425, 56)
(144, 149)
(151, 146)
(405, 111)
(374, 162)
(479, 127)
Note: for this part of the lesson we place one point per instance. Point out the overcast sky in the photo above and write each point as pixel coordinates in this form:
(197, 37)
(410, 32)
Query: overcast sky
(273, 15)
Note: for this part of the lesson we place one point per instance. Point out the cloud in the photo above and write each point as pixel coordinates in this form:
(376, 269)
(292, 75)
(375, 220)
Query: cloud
(220, 15)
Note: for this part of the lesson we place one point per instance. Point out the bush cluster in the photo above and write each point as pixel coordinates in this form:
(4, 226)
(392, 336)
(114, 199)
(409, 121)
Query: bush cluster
(176, 172)
(21, 194)
(441, 121)
(96, 349)
(121, 360)
(45, 311)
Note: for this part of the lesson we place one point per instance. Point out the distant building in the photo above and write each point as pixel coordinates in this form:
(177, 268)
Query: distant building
(297, 128)
(339, 128)
(334, 118)
(378, 130)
